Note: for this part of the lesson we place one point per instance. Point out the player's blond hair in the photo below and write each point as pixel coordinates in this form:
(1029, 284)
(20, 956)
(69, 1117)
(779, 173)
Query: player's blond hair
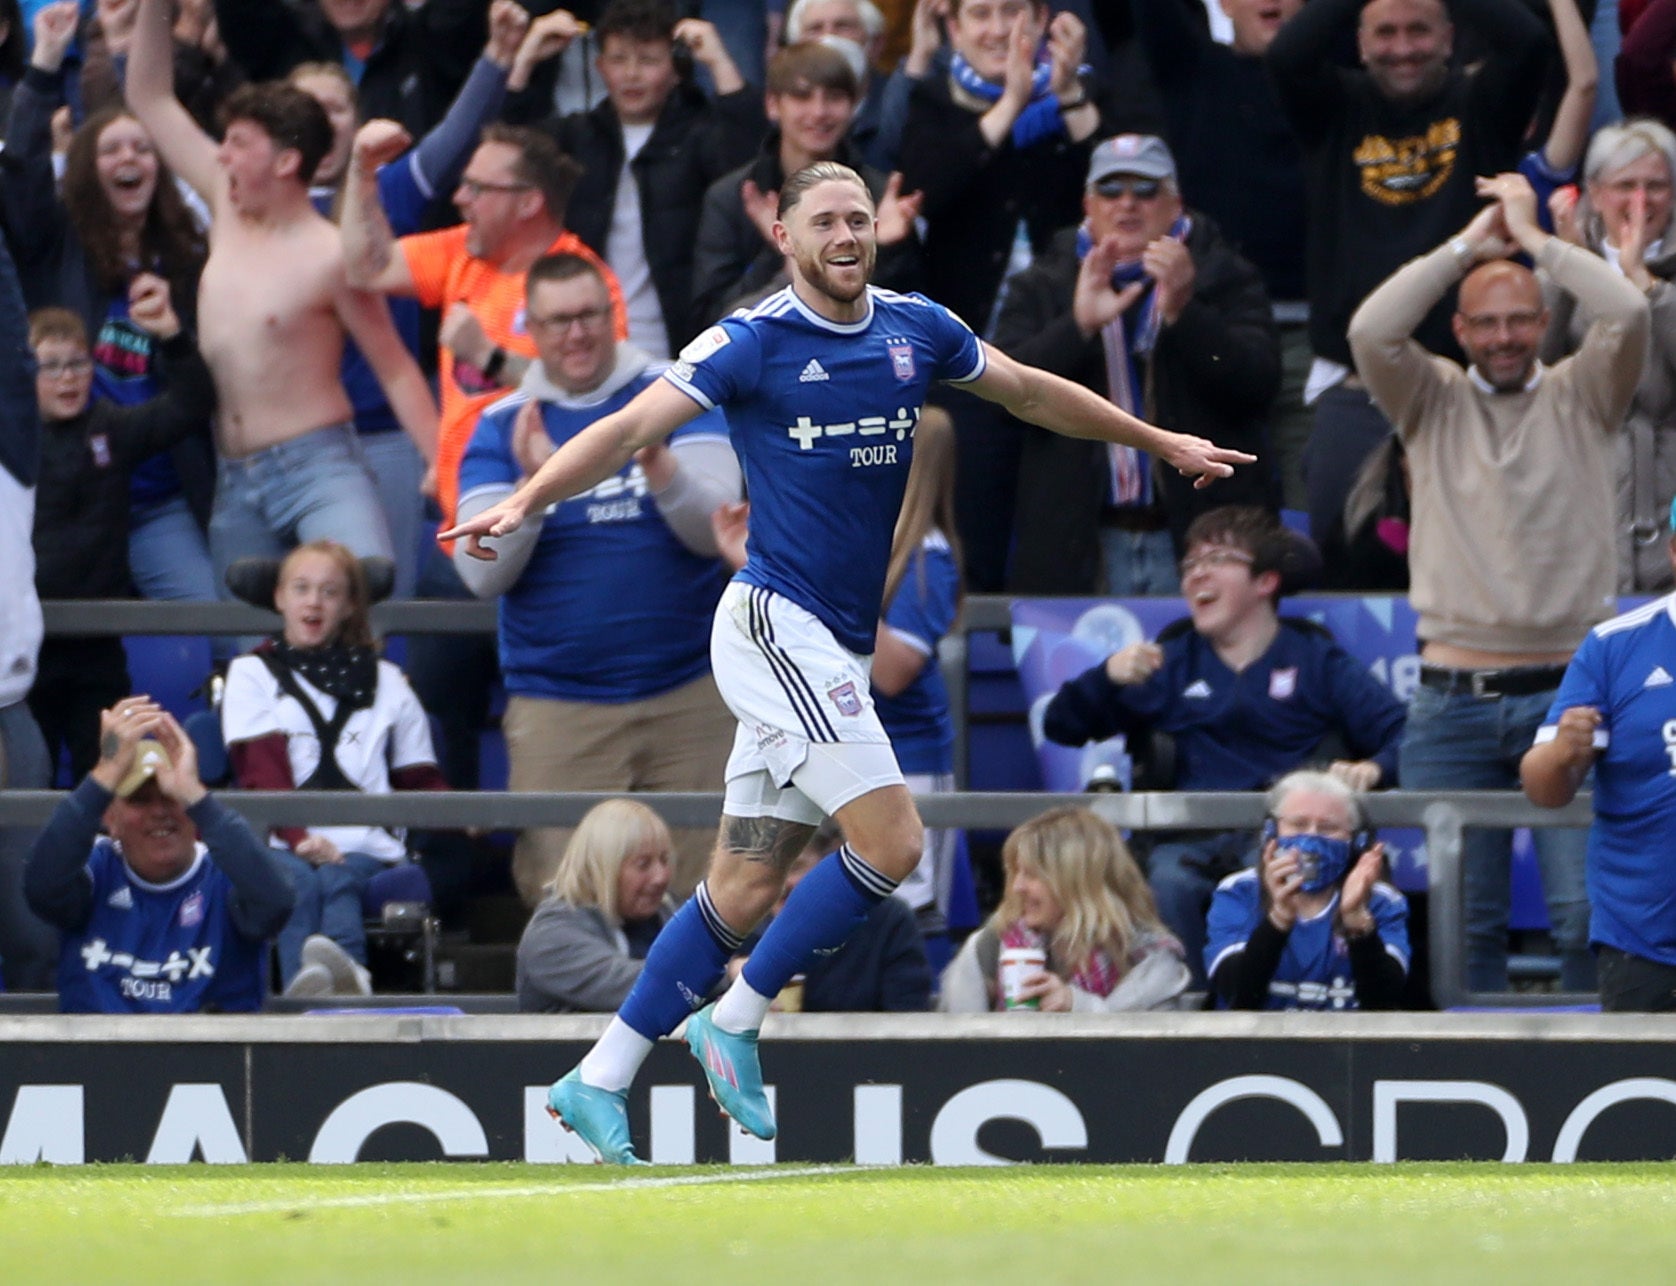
(793, 189)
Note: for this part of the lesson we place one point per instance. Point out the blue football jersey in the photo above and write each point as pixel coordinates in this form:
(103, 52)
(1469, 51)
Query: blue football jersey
(1626, 669)
(611, 607)
(921, 612)
(1314, 971)
(822, 416)
(159, 948)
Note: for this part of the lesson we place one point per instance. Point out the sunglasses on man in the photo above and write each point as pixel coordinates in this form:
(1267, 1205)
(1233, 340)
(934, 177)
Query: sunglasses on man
(1119, 185)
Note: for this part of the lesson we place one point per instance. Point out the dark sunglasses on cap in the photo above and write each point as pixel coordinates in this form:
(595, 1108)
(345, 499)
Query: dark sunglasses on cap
(1118, 185)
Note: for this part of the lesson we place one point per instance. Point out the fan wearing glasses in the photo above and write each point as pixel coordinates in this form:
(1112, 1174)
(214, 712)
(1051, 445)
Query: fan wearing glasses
(1147, 304)
(88, 448)
(1245, 695)
(606, 599)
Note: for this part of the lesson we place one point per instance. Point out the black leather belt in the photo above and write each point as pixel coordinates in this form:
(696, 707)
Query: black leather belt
(1516, 681)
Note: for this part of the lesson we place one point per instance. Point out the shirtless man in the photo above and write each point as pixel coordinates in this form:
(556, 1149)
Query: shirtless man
(273, 310)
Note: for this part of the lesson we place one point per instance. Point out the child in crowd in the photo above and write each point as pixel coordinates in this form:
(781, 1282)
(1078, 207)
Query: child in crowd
(88, 449)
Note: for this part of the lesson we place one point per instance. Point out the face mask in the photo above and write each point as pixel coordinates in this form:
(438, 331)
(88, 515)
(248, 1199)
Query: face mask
(1322, 861)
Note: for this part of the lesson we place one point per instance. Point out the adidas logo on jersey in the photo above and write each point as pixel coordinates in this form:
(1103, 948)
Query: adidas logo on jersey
(122, 899)
(1659, 678)
(1197, 690)
(813, 373)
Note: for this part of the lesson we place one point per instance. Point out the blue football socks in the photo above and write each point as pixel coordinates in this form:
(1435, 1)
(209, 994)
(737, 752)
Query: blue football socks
(828, 904)
(685, 962)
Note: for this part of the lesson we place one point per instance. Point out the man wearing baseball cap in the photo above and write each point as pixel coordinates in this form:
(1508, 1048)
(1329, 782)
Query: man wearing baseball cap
(1146, 303)
(169, 912)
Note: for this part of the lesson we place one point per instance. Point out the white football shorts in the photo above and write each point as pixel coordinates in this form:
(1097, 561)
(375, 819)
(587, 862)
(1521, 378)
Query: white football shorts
(809, 739)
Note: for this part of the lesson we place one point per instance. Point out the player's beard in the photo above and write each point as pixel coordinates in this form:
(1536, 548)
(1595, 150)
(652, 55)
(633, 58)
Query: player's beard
(820, 277)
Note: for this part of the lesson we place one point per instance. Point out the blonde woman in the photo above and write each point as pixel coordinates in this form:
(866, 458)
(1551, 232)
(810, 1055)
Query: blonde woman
(585, 944)
(1074, 892)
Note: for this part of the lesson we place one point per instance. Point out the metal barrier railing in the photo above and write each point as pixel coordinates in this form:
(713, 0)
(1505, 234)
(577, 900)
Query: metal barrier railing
(1442, 816)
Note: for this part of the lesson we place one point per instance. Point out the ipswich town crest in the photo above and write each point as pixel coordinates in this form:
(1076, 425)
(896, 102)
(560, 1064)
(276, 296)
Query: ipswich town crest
(901, 358)
(845, 697)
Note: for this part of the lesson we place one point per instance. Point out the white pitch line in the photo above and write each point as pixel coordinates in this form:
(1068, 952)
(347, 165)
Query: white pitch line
(471, 1194)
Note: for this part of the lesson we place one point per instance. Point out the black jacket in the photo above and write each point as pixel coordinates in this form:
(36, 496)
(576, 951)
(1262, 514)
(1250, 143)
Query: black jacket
(81, 502)
(1214, 373)
(53, 266)
(734, 266)
(695, 142)
(975, 196)
(421, 59)
(1387, 181)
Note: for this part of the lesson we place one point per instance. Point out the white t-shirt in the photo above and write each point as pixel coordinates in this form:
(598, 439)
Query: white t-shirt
(392, 733)
(625, 251)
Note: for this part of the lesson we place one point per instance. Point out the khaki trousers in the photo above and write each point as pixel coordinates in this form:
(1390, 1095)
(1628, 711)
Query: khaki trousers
(676, 741)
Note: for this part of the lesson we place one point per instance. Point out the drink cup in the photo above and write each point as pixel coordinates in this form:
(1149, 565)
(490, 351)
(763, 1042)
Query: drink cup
(1017, 964)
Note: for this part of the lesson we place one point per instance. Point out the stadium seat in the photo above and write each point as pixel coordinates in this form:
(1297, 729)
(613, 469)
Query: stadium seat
(169, 668)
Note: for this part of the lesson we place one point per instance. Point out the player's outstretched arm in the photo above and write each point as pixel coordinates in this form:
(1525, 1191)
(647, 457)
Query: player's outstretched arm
(1070, 409)
(150, 89)
(589, 458)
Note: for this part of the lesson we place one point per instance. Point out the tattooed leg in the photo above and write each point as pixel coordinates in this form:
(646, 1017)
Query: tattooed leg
(749, 868)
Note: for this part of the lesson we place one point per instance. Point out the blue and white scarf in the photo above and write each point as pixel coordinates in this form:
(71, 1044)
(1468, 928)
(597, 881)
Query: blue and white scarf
(1040, 119)
(1129, 480)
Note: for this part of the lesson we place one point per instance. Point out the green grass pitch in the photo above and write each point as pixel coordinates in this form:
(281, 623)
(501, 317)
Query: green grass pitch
(1024, 1226)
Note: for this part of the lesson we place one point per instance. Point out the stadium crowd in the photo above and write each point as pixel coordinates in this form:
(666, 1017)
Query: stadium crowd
(325, 274)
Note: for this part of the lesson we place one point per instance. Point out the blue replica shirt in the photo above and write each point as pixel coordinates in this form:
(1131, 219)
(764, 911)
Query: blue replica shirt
(822, 417)
(1314, 970)
(404, 202)
(612, 606)
(159, 948)
(1626, 669)
(1240, 731)
(921, 612)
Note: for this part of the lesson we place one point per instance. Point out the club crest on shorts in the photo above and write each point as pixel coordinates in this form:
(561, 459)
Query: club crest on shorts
(901, 358)
(846, 698)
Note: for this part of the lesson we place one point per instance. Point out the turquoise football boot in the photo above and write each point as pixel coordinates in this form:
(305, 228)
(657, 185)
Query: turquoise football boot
(731, 1066)
(598, 1117)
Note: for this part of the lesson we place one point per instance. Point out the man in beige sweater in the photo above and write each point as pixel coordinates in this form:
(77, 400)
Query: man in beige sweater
(1511, 559)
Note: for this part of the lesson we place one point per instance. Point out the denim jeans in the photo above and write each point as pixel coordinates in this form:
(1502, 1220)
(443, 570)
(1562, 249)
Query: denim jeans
(169, 559)
(1138, 562)
(314, 487)
(328, 902)
(1184, 874)
(28, 945)
(397, 469)
(1456, 741)
(168, 555)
